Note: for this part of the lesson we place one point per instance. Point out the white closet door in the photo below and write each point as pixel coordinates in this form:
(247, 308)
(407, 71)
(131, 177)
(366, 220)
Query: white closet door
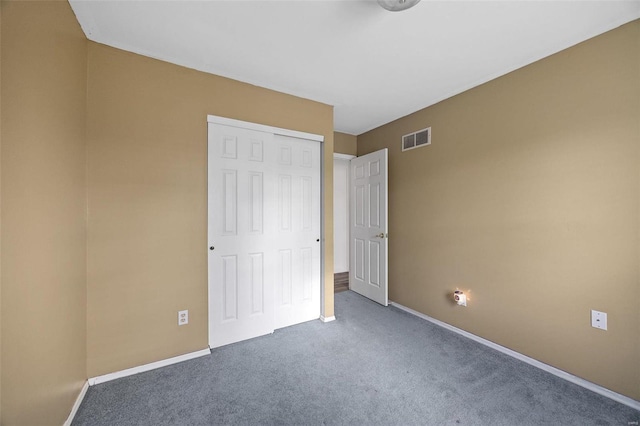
(241, 233)
(264, 231)
(297, 286)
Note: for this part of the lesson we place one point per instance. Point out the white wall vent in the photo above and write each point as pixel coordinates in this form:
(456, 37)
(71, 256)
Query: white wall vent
(417, 139)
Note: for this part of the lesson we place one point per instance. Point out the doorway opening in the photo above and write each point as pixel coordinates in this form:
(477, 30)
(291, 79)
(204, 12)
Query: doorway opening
(341, 163)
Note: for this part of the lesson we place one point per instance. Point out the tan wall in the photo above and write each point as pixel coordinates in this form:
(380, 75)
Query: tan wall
(147, 162)
(529, 198)
(44, 63)
(1, 213)
(344, 143)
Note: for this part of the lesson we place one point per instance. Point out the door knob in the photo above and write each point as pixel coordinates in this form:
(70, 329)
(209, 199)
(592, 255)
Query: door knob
(380, 235)
(211, 248)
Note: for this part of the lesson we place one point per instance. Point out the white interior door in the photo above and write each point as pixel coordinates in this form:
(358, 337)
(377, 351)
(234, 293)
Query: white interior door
(368, 226)
(264, 220)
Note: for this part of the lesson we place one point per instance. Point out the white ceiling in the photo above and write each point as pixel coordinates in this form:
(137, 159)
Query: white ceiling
(374, 66)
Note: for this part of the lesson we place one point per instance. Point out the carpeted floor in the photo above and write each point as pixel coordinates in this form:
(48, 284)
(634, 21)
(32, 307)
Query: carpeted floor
(374, 365)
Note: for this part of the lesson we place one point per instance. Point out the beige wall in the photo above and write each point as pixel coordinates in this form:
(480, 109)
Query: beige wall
(344, 143)
(528, 199)
(1, 212)
(147, 162)
(139, 126)
(43, 218)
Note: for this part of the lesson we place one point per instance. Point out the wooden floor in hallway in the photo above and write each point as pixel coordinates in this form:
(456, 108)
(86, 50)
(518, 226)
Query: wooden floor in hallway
(340, 282)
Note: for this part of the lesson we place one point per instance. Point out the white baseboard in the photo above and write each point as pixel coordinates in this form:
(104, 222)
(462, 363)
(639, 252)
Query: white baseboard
(541, 365)
(147, 367)
(76, 405)
(327, 319)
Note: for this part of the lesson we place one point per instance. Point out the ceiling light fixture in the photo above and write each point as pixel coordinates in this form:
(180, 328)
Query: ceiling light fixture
(397, 5)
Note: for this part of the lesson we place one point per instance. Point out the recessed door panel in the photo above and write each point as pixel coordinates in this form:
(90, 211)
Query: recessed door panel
(230, 147)
(285, 155)
(230, 201)
(359, 208)
(374, 205)
(255, 153)
(230, 288)
(284, 277)
(307, 158)
(307, 273)
(374, 263)
(359, 259)
(374, 168)
(307, 203)
(285, 203)
(256, 200)
(257, 283)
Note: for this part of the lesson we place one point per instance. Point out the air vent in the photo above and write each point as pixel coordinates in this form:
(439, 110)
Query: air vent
(417, 139)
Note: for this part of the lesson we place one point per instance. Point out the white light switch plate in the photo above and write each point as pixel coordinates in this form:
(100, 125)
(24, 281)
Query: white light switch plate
(599, 320)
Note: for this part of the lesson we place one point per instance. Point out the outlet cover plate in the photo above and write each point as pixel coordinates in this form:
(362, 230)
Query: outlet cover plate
(599, 320)
(183, 317)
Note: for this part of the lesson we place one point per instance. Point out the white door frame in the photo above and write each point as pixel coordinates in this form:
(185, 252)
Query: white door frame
(213, 119)
(340, 156)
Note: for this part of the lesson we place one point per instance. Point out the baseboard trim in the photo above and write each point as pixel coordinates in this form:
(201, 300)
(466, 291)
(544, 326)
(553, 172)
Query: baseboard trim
(327, 319)
(541, 365)
(76, 405)
(146, 367)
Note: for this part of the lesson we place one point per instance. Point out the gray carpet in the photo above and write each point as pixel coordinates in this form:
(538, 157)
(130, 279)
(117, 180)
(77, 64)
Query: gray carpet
(374, 365)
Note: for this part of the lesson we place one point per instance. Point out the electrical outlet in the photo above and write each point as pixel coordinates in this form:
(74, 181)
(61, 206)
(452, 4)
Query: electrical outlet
(183, 317)
(599, 320)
